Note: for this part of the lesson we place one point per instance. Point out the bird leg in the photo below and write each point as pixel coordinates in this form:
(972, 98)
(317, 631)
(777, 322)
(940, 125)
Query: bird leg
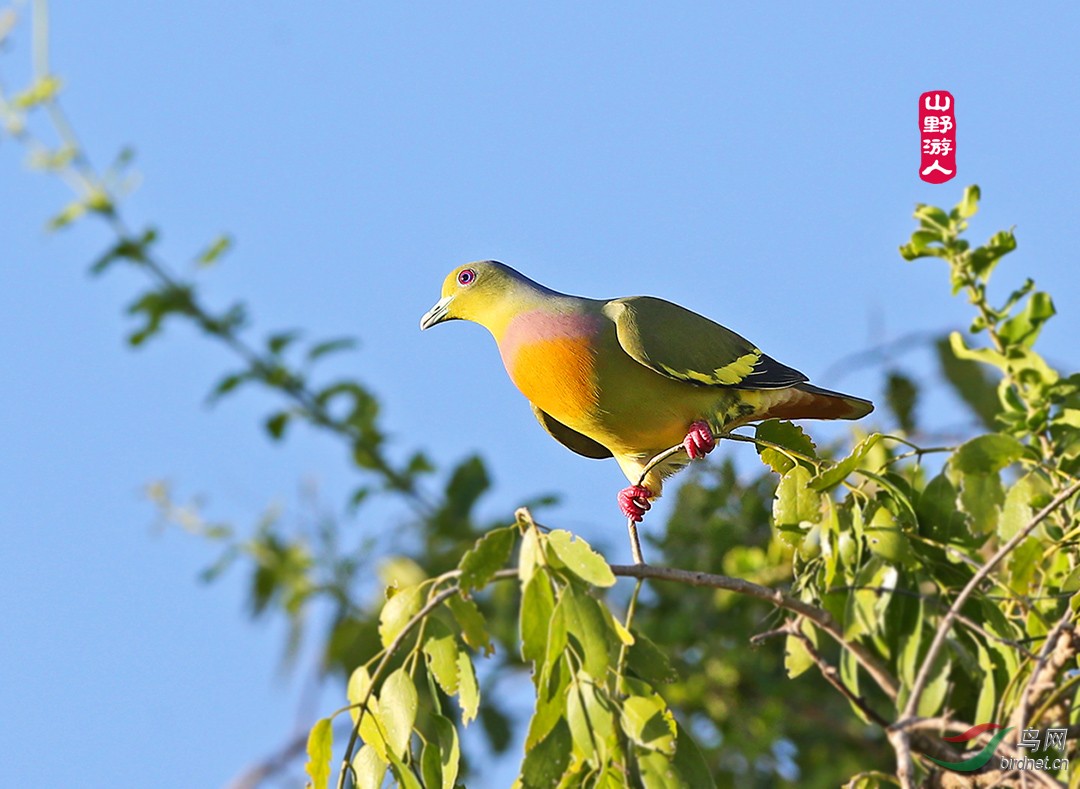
(699, 440)
(634, 502)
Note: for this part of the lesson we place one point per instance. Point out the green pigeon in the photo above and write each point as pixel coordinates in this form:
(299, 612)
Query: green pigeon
(628, 378)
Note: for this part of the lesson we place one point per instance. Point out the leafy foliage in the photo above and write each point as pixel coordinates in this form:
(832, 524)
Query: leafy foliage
(916, 591)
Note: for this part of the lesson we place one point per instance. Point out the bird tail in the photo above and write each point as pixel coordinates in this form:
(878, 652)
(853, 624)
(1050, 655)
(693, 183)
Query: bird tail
(806, 401)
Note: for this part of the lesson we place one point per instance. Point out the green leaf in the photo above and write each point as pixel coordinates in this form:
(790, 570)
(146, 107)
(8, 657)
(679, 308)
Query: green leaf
(647, 721)
(987, 454)
(368, 768)
(849, 675)
(932, 217)
(43, 89)
(787, 435)
(488, 556)
(796, 506)
(467, 483)
(984, 707)
(1023, 566)
(320, 748)
(910, 648)
(689, 763)
(938, 516)
(984, 355)
(545, 764)
(981, 497)
(473, 628)
(795, 501)
(397, 612)
(226, 385)
(797, 658)
(649, 662)
(441, 649)
(581, 731)
(330, 346)
(406, 777)
(1024, 328)
(833, 476)
(886, 539)
(581, 559)
(279, 341)
(587, 631)
(971, 382)
(218, 247)
(449, 750)
(431, 764)
(537, 605)
(528, 556)
(860, 616)
(920, 245)
(901, 394)
(371, 732)
(982, 260)
(398, 702)
(1019, 508)
(966, 209)
(932, 699)
(468, 690)
(551, 694)
(68, 214)
(275, 424)
(657, 770)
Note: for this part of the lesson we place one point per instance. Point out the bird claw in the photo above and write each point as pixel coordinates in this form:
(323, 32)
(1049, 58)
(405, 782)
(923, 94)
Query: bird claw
(699, 440)
(634, 502)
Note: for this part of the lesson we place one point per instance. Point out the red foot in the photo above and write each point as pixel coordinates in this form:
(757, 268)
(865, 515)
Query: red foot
(699, 440)
(634, 502)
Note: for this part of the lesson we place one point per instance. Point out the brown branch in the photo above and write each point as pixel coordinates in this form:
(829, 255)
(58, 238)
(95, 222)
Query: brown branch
(828, 671)
(1057, 650)
(818, 616)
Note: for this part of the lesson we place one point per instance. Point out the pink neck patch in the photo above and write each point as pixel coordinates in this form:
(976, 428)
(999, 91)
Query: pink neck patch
(540, 325)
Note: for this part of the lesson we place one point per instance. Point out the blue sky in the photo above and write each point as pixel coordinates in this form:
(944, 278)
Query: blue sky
(755, 162)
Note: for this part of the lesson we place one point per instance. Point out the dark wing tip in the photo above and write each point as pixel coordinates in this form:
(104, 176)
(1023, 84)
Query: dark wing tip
(771, 374)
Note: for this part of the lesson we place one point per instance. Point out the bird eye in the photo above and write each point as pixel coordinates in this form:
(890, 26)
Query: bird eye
(466, 276)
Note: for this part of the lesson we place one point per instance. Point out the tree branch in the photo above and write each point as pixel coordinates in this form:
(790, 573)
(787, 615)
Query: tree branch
(818, 616)
(828, 671)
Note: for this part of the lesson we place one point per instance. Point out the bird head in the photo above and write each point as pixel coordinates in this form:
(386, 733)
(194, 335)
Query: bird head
(482, 292)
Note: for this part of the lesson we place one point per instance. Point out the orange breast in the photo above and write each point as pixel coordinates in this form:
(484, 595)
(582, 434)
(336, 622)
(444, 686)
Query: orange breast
(557, 375)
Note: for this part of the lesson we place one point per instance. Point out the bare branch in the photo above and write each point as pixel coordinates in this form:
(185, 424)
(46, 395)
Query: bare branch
(828, 671)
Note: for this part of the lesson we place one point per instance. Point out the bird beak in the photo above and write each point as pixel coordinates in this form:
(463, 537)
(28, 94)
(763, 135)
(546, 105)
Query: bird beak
(436, 314)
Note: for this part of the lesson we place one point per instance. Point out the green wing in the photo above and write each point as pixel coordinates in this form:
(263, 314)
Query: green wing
(571, 439)
(681, 344)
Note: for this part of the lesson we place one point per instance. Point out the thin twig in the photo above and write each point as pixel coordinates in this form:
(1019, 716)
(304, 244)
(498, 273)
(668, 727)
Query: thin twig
(828, 671)
(631, 524)
(624, 650)
(818, 616)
